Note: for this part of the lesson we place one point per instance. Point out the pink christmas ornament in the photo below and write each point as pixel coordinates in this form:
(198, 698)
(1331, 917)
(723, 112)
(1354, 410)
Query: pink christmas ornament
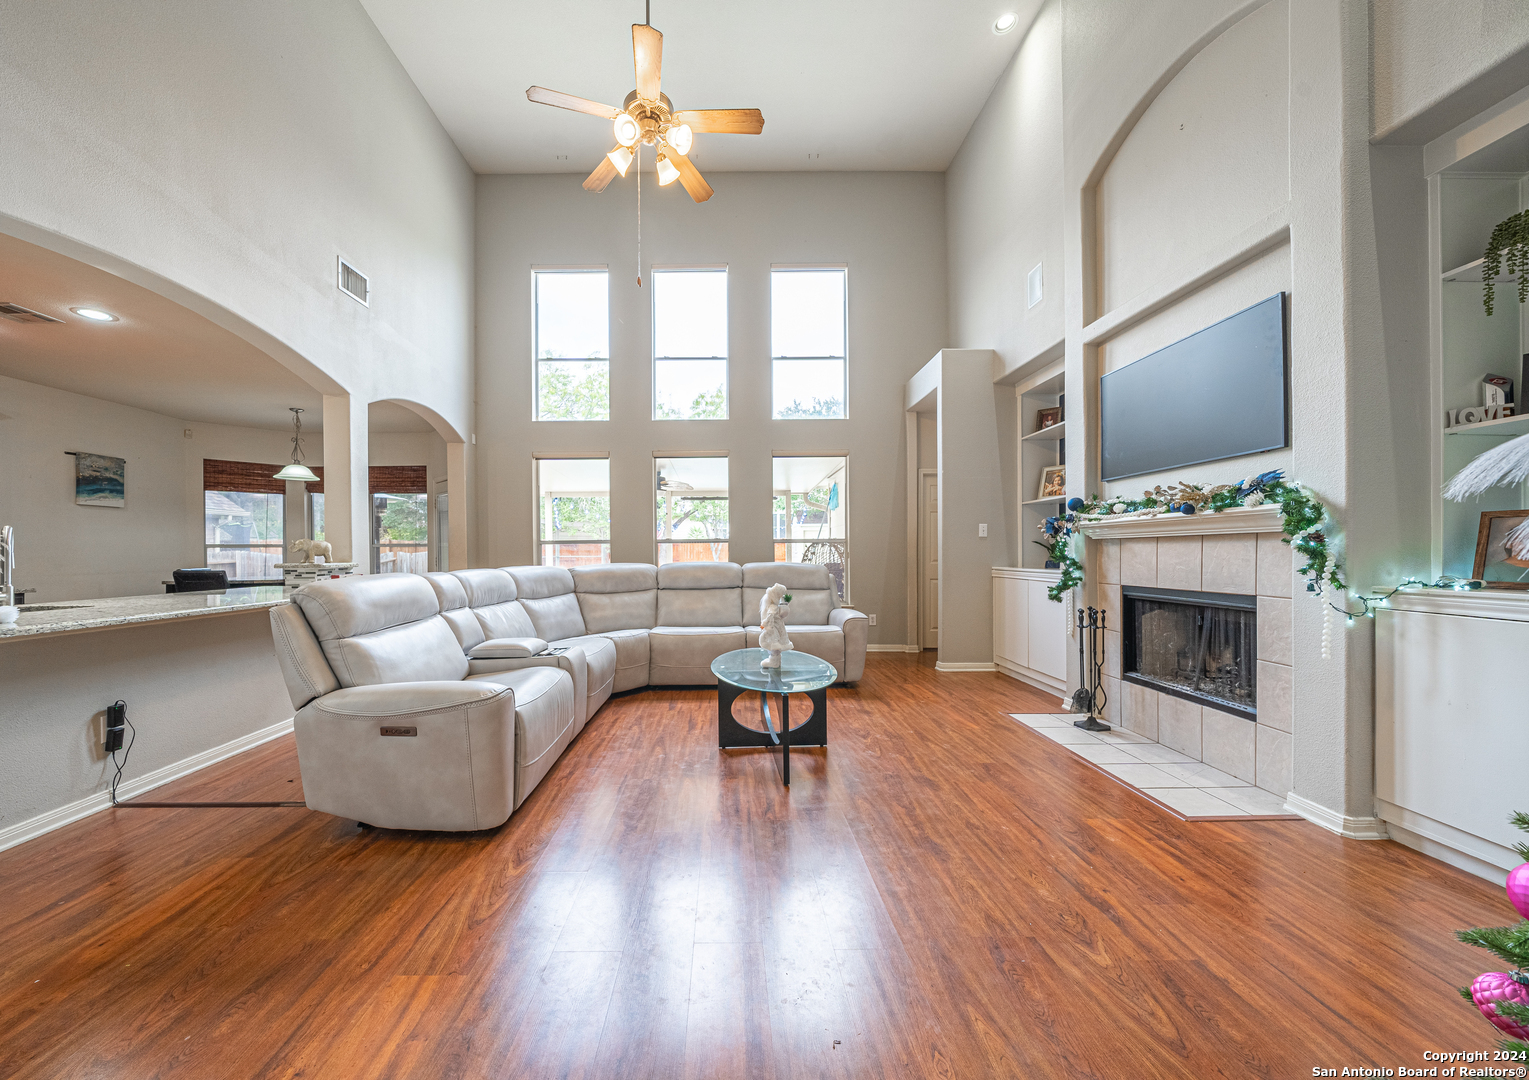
(1518, 889)
(1495, 986)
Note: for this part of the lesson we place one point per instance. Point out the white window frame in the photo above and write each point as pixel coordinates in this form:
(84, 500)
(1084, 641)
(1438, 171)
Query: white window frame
(536, 358)
(536, 496)
(843, 494)
(664, 455)
(770, 322)
(727, 366)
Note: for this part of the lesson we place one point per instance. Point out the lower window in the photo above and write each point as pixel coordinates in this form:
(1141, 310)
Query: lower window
(400, 533)
(245, 533)
(573, 506)
(691, 509)
(811, 515)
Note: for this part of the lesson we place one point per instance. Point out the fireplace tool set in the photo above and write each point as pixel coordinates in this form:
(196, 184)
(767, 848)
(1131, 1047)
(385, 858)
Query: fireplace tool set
(1090, 697)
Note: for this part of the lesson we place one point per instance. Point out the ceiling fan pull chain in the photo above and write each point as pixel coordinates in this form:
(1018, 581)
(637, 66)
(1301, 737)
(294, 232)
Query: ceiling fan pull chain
(639, 215)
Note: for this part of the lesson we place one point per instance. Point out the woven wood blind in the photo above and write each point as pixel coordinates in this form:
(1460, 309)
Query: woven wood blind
(247, 476)
(388, 479)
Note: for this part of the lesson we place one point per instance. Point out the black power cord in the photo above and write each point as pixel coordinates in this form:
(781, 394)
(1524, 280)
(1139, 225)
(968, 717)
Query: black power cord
(118, 711)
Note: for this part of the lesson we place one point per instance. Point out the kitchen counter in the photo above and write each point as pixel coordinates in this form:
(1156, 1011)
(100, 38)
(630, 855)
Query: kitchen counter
(77, 616)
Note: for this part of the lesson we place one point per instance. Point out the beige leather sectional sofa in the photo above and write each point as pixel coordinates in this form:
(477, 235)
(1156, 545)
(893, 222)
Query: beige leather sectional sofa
(439, 701)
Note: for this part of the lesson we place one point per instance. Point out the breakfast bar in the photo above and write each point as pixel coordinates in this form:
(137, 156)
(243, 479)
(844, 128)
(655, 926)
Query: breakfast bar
(198, 674)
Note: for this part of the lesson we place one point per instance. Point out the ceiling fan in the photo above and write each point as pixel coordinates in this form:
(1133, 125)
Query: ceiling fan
(647, 117)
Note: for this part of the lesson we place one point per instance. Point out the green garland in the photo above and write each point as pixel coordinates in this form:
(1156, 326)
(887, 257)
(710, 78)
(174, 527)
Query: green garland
(1302, 526)
(1303, 517)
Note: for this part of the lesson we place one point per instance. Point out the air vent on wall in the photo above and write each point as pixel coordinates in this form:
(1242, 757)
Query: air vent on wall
(24, 314)
(353, 283)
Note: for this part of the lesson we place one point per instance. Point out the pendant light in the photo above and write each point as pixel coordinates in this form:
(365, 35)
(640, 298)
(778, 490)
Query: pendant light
(297, 470)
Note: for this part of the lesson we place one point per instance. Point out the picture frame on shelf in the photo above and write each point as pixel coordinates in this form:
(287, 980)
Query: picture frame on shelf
(1495, 564)
(1046, 418)
(1054, 485)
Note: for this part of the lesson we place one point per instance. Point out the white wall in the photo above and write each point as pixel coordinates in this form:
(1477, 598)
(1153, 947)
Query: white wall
(70, 552)
(887, 227)
(228, 153)
(1209, 158)
(1438, 64)
(1003, 207)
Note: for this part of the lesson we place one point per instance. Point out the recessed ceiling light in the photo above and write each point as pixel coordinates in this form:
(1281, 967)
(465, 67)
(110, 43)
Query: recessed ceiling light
(1006, 22)
(94, 314)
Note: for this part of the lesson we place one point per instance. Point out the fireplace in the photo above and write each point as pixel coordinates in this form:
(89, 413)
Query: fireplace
(1199, 646)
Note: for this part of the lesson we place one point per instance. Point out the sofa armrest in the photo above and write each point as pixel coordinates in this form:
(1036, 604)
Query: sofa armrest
(507, 648)
(855, 626)
(411, 755)
(407, 698)
(570, 659)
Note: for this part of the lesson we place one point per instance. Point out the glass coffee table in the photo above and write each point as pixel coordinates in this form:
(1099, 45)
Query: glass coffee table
(738, 672)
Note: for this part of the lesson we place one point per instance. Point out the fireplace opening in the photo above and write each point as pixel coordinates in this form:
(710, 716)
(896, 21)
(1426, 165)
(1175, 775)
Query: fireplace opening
(1199, 646)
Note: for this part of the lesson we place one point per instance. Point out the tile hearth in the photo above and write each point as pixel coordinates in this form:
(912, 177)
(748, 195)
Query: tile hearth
(1181, 783)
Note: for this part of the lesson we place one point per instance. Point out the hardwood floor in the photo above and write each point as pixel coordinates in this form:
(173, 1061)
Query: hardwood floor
(942, 893)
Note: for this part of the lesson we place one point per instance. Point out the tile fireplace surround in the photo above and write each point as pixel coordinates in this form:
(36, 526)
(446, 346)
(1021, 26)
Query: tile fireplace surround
(1240, 552)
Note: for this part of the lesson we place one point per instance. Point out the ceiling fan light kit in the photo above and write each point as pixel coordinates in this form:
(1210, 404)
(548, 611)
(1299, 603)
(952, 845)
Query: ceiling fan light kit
(647, 118)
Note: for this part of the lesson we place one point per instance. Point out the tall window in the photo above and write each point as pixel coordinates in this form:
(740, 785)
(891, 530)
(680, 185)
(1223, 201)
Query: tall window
(244, 510)
(690, 344)
(572, 345)
(573, 502)
(807, 344)
(691, 509)
(811, 515)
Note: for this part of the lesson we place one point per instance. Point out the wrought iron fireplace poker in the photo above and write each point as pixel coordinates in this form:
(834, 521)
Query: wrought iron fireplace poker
(1090, 696)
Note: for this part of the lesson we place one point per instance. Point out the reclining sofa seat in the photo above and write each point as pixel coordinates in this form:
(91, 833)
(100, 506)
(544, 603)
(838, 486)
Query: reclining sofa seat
(392, 727)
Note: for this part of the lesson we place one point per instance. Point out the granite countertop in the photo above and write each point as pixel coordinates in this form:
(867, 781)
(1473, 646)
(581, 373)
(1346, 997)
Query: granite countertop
(72, 616)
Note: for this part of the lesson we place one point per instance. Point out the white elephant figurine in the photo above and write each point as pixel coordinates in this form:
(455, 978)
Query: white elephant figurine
(772, 624)
(310, 548)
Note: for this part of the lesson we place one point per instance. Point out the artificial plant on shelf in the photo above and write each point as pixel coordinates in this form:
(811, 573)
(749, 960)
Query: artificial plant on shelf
(1507, 249)
(1503, 996)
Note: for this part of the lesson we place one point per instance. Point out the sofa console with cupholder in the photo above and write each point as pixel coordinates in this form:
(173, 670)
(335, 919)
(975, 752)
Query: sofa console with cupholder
(439, 701)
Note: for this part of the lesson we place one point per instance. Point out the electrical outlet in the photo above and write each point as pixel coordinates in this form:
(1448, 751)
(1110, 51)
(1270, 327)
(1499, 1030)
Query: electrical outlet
(981, 531)
(873, 620)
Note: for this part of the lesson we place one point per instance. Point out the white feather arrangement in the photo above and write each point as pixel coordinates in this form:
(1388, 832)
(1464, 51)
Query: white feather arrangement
(1506, 464)
(1516, 543)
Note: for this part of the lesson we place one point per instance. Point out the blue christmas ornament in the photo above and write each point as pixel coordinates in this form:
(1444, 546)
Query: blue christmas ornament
(1075, 504)
(1187, 508)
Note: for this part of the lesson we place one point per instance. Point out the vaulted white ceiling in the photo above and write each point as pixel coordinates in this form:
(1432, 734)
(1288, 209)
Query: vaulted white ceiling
(844, 84)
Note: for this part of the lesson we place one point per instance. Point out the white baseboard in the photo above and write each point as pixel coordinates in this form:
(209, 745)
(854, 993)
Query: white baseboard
(942, 666)
(893, 648)
(1034, 678)
(23, 831)
(1471, 853)
(1355, 828)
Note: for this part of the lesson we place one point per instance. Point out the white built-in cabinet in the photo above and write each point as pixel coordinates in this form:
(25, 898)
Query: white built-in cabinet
(1029, 629)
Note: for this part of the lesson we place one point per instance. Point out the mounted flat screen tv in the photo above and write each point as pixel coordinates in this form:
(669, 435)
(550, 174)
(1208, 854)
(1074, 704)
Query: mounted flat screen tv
(1219, 393)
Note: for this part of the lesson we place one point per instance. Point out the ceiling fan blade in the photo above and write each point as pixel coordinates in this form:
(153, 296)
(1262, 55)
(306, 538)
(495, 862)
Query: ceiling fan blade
(722, 121)
(690, 178)
(647, 60)
(558, 99)
(604, 173)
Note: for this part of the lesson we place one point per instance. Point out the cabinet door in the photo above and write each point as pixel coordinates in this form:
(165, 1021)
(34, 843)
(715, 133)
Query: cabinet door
(1047, 632)
(1009, 629)
(1002, 646)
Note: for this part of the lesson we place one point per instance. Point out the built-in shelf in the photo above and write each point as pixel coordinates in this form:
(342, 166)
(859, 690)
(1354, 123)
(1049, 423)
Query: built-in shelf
(1047, 434)
(1048, 499)
(1471, 271)
(1507, 425)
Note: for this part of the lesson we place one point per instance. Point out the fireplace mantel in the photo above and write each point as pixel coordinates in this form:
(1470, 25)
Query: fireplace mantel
(1245, 519)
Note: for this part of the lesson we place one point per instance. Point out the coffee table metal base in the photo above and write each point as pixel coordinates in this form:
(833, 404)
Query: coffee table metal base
(778, 731)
